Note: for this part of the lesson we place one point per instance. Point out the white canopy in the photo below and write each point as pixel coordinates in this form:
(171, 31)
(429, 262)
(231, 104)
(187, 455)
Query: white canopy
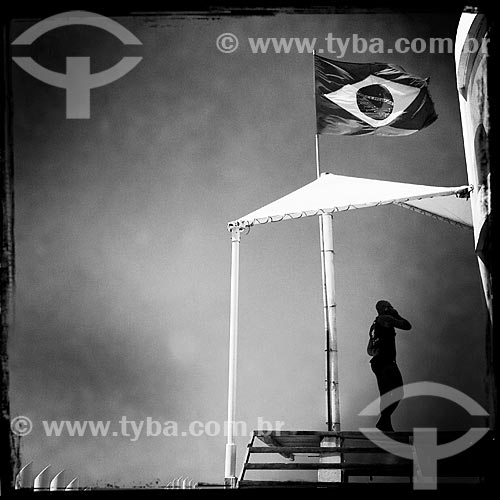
(328, 194)
(335, 193)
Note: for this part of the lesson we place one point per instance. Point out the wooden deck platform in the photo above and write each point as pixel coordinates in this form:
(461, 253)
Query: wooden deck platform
(360, 458)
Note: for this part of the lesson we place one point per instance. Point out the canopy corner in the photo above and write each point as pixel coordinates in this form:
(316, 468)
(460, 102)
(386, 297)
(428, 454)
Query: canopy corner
(237, 224)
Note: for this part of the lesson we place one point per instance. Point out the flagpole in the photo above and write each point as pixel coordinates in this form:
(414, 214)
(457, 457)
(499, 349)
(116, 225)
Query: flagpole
(318, 169)
(329, 306)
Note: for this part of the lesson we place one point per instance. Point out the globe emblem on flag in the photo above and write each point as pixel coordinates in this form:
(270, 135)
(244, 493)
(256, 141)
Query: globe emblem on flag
(375, 101)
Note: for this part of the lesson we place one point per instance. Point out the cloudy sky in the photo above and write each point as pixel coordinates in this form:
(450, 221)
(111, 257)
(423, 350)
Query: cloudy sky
(123, 257)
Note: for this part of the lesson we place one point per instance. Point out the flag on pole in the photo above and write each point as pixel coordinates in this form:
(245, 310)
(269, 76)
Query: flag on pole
(371, 98)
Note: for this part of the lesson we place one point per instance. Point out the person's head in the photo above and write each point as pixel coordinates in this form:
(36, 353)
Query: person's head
(383, 306)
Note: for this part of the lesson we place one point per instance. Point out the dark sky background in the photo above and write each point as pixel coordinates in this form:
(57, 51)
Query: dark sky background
(123, 258)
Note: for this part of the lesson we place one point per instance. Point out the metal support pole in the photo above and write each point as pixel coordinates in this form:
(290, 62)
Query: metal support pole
(327, 260)
(230, 464)
(331, 386)
(330, 316)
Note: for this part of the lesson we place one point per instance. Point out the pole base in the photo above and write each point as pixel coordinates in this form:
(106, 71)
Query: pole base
(230, 482)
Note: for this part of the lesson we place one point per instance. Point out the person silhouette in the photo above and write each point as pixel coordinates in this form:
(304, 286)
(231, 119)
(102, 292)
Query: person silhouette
(382, 349)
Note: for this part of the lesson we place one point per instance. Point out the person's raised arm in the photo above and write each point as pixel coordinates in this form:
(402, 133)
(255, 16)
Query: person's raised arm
(392, 318)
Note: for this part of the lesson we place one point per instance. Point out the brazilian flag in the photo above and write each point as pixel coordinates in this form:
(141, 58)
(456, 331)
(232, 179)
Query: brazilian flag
(371, 98)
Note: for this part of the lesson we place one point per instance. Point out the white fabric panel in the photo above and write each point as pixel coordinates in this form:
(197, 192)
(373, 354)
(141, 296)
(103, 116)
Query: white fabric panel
(450, 208)
(335, 193)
